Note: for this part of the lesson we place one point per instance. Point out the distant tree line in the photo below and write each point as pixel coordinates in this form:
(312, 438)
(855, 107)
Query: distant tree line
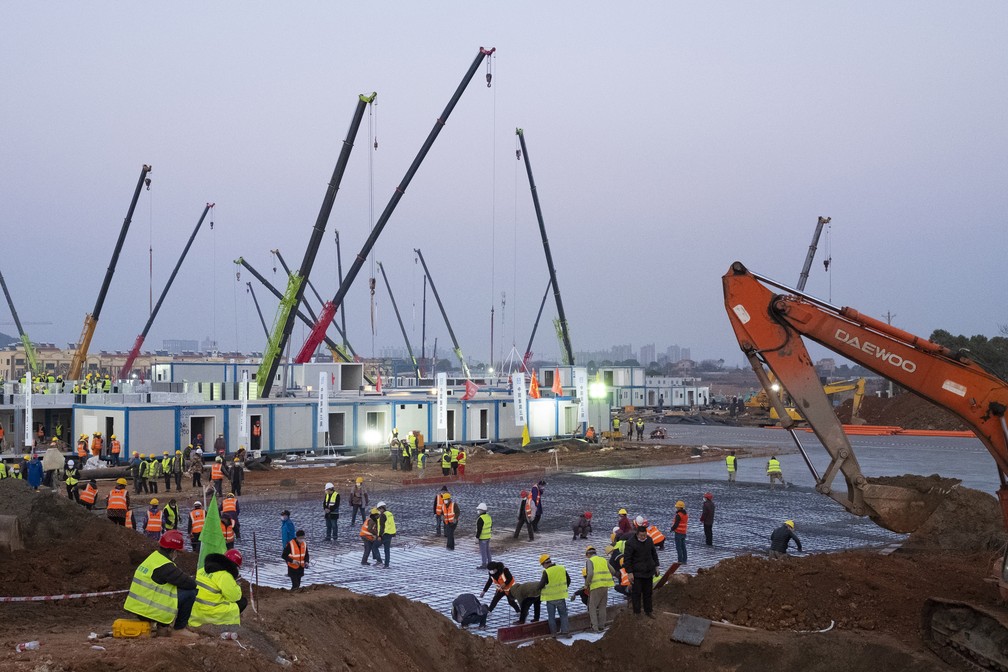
(989, 352)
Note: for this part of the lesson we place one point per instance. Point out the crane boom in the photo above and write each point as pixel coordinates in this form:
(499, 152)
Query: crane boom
(91, 319)
(562, 318)
(803, 277)
(318, 331)
(131, 357)
(535, 327)
(284, 322)
(339, 270)
(409, 348)
(30, 357)
(451, 332)
(258, 311)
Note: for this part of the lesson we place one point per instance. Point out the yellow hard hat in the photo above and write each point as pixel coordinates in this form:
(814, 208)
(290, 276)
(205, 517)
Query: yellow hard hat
(26, 457)
(16, 467)
(446, 495)
(590, 549)
(680, 504)
(544, 558)
(374, 510)
(237, 459)
(229, 495)
(120, 481)
(622, 512)
(360, 479)
(178, 452)
(112, 437)
(789, 523)
(154, 502)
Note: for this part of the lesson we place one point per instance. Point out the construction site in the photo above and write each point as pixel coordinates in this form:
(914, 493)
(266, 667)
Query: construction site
(835, 500)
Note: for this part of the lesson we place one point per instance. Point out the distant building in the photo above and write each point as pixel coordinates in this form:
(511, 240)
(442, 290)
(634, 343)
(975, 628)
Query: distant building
(176, 346)
(647, 354)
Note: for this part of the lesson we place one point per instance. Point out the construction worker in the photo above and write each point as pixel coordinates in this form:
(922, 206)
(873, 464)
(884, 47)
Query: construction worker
(196, 468)
(501, 577)
(780, 538)
(598, 581)
(527, 596)
(358, 501)
(117, 503)
(3, 469)
(679, 524)
(484, 533)
(386, 529)
(537, 495)
(217, 476)
(286, 528)
(411, 447)
(641, 562)
(439, 503)
(72, 478)
(219, 599)
(616, 425)
(731, 462)
(115, 448)
(228, 530)
(454, 460)
(96, 443)
(197, 517)
(82, 447)
(707, 518)
(421, 461)
(170, 515)
(107, 384)
(451, 521)
(330, 505)
(395, 448)
(230, 509)
(166, 462)
(626, 528)
(177, 467)
(652, 531)
(404, 453)
(134, 470)
(153, 523)
(630, 428)
(296, 556)
(153, 472)
(237, 476)
(220, 446)
(773, 470)
(461, 462)
(446, 462)
(89, 494)
(582, 525)
(368, 534)
(161, 592)
(15, 472)
(553, 591)
(640, 429)
(525, 514)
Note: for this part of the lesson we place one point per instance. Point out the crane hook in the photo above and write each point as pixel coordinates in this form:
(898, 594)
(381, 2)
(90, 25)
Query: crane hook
(488, 76)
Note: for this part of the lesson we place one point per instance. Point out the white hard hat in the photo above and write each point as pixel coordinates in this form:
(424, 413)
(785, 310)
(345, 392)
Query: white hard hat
(615, 530)
(329, 486)
(197, 504)
(380, 505)
(70, 463)
(481, 506)
(639, 520)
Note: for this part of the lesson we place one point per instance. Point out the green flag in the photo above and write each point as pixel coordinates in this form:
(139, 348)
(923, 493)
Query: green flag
(212, 537)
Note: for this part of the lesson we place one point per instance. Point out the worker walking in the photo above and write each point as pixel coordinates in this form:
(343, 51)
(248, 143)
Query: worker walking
(500, 576)
(196, 468)
(386, 530)
(152, 524)
(707, 518)
(219, 599)
(72, 478)
(773, 470)
(115, 448)
(230, 510)
(368, 534)
(640, 559)
(358, 501)
(217, 476)
(117, 503)
(598, 581)
(780, 538)
(484, 532)
(525, 509)
(679, 524)
(161, 592)
(439, 505)
(553, 591)
(197, 518)
(330, 505)
(537, 495)
(296, 556)
(731, 462)
(228, 530)
(451, 521)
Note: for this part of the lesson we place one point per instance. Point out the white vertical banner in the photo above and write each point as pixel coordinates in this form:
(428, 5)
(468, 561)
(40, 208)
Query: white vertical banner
(581, 392)
(323, 402)
(520, 398)
(442, 401)
(243, 429)
(29, 420)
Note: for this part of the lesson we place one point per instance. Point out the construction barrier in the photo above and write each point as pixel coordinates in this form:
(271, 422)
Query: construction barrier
(67, 596)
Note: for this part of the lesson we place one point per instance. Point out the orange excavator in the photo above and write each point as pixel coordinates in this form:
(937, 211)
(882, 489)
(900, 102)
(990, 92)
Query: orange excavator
(770, 326)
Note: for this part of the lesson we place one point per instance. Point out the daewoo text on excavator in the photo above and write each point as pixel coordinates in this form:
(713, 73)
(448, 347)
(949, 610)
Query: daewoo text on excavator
(769, 327)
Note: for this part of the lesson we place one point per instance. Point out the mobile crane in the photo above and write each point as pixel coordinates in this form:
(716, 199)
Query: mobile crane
(91, 319)
(770, 326)
(31, 359)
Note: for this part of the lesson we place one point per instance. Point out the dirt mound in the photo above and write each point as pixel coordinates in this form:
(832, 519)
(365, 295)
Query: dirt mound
(966, 520)
(67, 548)
(904, 410)
(856, 590)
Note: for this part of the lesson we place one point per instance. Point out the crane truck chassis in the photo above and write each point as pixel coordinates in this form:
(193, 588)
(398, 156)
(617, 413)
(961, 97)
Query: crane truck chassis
(770, 327)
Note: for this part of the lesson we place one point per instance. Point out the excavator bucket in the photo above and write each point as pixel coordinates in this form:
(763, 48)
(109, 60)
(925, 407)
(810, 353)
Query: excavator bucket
(903, 503)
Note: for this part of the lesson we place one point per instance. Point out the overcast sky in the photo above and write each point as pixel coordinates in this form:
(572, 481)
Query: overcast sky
(666, 140)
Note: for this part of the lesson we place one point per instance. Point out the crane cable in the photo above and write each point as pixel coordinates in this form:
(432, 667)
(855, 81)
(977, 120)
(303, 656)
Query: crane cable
(493, 211)
(373, 138)
(828, 261)
(150, 253)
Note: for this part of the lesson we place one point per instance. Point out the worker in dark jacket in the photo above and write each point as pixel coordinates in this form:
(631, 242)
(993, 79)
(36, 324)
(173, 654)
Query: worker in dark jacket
(527, 597)
(582, 525)
(237, 476)
(641, 561)
(707, 518)
(781, 537)
(501, 576)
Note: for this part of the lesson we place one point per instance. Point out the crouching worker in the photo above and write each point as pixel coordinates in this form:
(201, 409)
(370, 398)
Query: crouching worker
(219, 599)
(161, 592)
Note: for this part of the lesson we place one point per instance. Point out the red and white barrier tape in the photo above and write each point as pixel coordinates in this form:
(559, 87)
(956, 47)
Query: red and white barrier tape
(67, 596)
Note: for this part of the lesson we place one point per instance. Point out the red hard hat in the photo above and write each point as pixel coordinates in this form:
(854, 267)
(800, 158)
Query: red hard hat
(524, 493)
(708, 495)
(588, 515)
(172, 539)
(235, 556)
